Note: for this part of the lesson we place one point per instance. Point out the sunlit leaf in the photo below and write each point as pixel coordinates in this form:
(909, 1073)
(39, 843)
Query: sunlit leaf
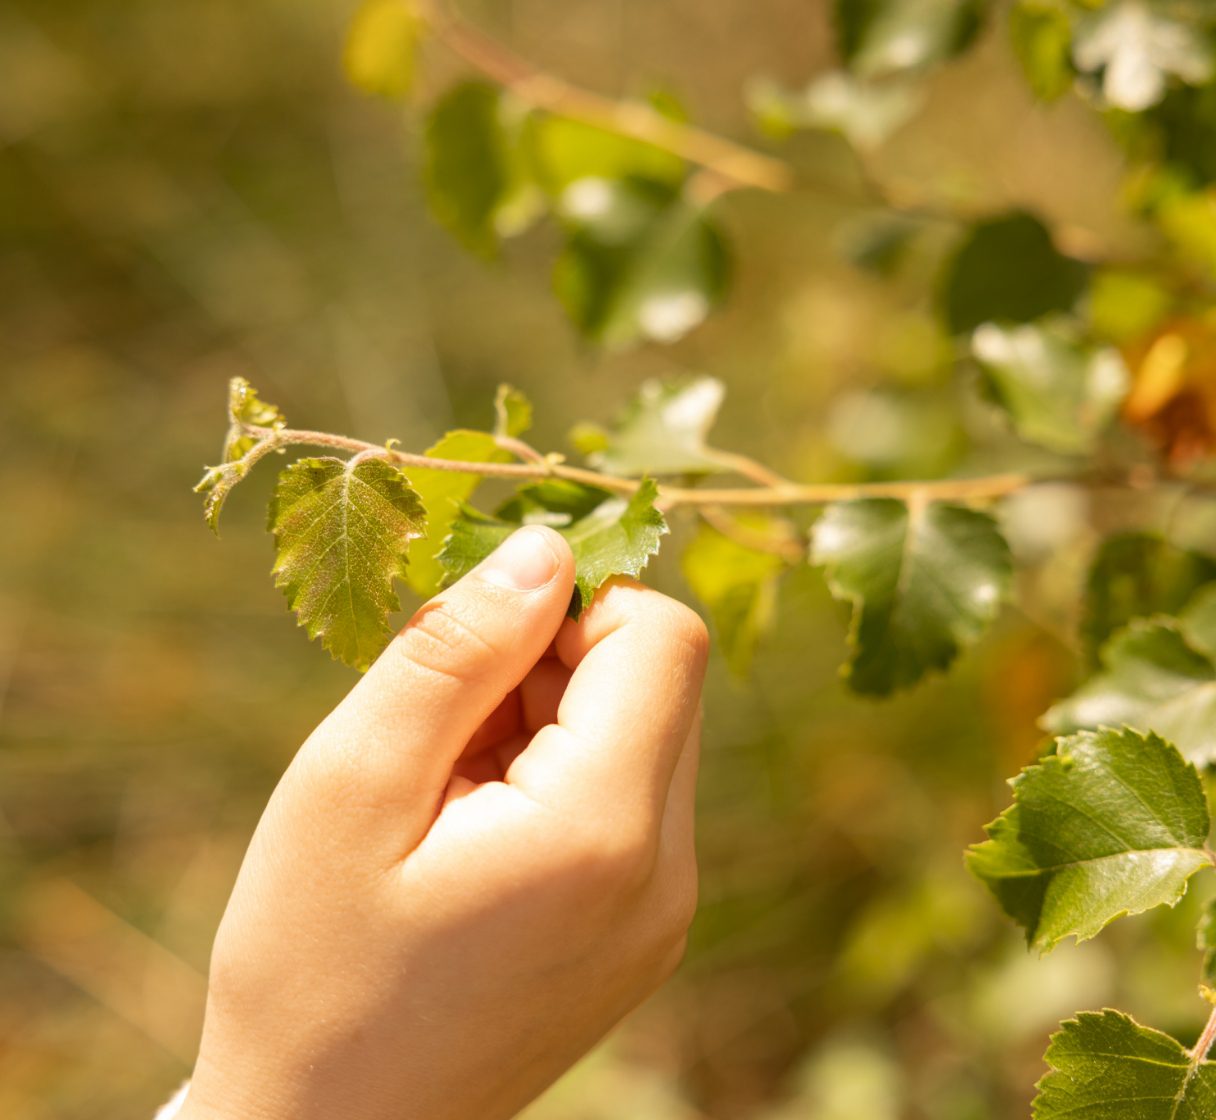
(663, 430)
(737, 584)
(342, 529)
(880, 37)
(476, 171)
(1106, 1066)
(380, 47)
(1138, 47)
(1157, 675)
(246, 407)
(1112, 823)
(1041, 34)
(1135, 575)
(866, 113)
(923, 581)
(609, 534)
(641, 262)
(442, 493)
(566, 151)
(1057, 390)
(1007, 270)
(1125, 305)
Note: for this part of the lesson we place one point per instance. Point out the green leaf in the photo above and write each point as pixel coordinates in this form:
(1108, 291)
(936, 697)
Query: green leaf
(246, 407)
(1106, 1066)
(1041, 35)
(1058, 391)
(567, 151)
(1125, 306)
(380, 47)
(923, 581)
(865, 113)
(1156, 676)
(342, 529)
(475, 168)
(641, 262)
(879, 37)
(1137, 48)
(512, 412)
(1112, 823)
(1007, 270)
(608, 533)
(662, 431)
(738, 586)
(442, 493)
(1135, 575)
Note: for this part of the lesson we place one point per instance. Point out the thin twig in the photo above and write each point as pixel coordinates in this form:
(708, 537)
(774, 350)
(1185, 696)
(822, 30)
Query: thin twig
(732, 162)
(1206, 1040)
(783, 493)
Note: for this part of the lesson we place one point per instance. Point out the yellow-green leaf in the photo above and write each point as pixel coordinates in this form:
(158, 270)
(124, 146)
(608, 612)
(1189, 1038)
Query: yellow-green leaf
(342, 530)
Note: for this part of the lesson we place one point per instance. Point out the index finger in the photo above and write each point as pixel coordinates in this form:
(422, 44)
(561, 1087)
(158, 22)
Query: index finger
(638, 661)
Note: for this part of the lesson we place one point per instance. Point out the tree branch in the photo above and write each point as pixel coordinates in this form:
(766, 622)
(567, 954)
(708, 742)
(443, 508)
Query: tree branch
(1206, 1040)
(779, 492)
(726, 160)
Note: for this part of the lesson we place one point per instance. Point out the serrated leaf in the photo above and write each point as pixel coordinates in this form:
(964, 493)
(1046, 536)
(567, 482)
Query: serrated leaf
(476, 171)
(641, 262)
(512, 412)
(608, 533)
(342, 530)
(923, 582)
(1106, 1066)
(442, 493)
(879, 37)
(380, 47)
(1112, 823)
(246, 407)
(663, 430)
(1007, 270)
(1153, 678)
(738, 586)
(566, 151)
(1041, 35)
(1135, 575)
(1058, 391)
(1138, 47)
(215, 486)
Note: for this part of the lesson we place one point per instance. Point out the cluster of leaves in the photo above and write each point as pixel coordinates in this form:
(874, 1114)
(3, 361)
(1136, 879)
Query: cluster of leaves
(923, 580)
(1113, 819)
(1110, 822)
(641, 258)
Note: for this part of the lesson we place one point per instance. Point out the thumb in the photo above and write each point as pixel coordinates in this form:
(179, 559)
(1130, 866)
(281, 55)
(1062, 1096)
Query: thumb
(404, 725)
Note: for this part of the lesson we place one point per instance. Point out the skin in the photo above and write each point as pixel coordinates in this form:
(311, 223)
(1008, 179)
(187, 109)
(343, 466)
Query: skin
(474, 867)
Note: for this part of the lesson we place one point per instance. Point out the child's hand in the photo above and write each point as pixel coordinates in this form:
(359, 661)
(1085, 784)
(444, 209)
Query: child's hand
(474, 867)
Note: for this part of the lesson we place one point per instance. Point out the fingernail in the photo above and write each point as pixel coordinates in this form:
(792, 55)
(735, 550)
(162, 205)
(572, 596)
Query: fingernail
(523, 562)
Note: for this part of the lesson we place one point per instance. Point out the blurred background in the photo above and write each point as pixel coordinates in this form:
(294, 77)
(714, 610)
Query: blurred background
(192, 191)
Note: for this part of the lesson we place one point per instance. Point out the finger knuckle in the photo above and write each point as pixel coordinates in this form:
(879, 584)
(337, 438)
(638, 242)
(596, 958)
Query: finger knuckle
(441, 640)
(617, 861)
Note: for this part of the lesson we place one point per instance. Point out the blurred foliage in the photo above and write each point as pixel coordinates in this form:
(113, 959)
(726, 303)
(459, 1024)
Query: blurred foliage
(193, 192)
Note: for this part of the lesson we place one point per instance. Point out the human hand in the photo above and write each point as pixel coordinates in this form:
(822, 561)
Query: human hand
(474, 867)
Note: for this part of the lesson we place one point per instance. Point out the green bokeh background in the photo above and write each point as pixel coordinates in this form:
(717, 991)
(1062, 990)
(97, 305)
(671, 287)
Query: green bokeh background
(191, 191)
